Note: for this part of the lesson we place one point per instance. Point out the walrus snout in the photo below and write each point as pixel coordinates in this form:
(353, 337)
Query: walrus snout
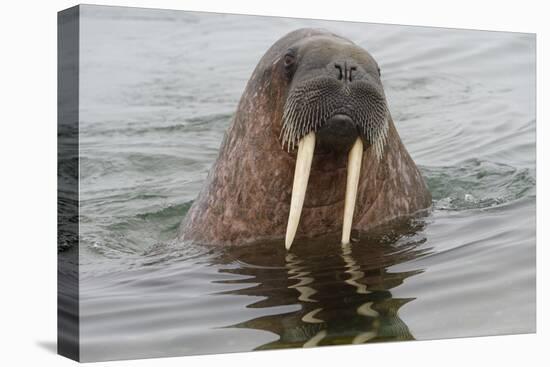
(338, 134)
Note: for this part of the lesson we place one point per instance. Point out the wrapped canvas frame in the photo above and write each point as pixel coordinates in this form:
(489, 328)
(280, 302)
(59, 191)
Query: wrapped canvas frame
(68, 336)
(70, 331)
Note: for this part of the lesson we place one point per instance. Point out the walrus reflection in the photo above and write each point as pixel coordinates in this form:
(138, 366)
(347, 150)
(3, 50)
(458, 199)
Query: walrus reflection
(327, 294)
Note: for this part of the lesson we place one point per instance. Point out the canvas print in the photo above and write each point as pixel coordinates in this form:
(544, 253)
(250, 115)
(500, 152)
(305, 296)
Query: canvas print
(239, 183)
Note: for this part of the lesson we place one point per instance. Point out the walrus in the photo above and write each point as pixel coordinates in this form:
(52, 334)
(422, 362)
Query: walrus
(311, 150)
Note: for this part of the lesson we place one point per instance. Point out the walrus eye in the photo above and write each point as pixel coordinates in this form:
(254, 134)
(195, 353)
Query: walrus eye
(379, 74)
(289, 60)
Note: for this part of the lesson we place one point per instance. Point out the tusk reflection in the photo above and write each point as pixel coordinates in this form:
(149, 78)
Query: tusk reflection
(296, 271)
(354, 270)
(310, 317)
(366, 310)
(364, 337)
(313, 342)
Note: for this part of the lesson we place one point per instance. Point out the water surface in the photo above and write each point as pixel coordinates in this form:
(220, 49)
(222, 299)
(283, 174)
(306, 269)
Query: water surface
(158, 90)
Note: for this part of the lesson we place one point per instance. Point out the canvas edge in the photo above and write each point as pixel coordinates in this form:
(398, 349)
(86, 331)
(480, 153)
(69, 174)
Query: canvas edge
(68, 315)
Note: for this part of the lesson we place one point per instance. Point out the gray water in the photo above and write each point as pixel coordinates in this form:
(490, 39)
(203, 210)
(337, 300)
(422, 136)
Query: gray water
(159, 88)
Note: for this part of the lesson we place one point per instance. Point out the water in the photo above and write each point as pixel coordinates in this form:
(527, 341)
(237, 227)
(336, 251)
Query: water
(159, 88)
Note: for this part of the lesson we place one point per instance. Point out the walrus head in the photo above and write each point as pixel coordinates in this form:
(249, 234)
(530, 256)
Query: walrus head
(314, 110)
(335, 97)
(335, 91)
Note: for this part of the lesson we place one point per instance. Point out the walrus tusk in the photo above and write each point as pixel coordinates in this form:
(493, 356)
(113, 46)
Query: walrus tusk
(354, 170)
(306, 147)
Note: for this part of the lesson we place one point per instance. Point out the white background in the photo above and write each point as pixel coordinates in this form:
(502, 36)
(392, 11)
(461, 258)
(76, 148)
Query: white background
(28, 181)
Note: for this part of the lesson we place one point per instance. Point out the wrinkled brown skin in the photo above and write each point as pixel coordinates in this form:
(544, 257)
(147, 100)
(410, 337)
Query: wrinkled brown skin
(246, 197)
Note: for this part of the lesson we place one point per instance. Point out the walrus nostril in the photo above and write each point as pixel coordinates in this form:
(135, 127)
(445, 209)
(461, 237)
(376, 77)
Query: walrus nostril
(345, 72)
(353, 68)
(339, 67)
